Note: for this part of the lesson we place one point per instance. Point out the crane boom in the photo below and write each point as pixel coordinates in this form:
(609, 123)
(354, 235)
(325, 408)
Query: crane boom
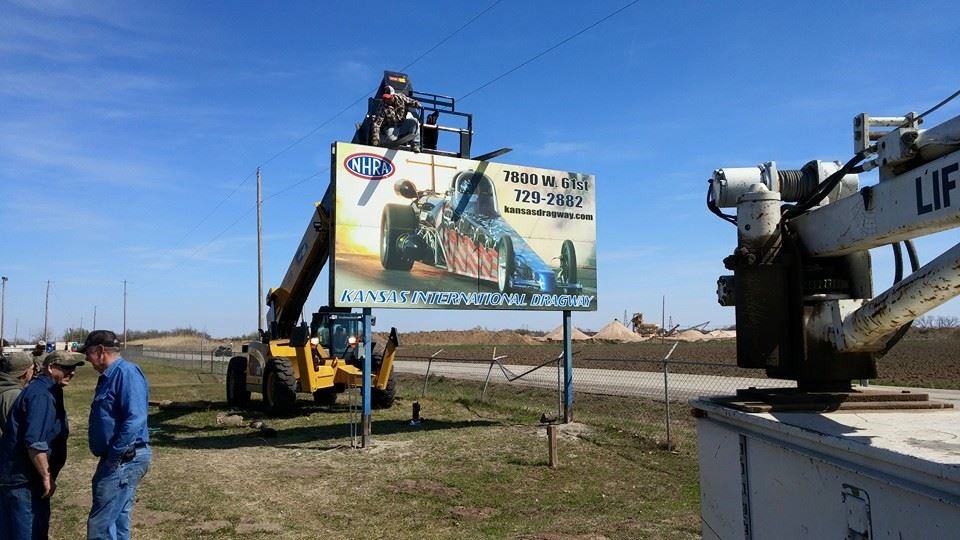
(286, 301)
(802, 282)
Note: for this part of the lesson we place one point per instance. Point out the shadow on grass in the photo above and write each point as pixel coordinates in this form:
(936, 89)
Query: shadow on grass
(167, 428)
(292, 437)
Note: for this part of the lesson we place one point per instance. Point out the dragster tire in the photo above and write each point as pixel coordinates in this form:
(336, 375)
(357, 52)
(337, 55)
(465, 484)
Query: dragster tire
(396, 220)
(568, 262)
(506, 264)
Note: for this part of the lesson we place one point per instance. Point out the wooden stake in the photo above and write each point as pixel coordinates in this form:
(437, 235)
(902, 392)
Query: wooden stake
(552, 444)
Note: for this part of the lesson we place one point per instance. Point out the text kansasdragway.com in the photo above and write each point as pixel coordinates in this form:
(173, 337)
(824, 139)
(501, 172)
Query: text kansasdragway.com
(547, 213)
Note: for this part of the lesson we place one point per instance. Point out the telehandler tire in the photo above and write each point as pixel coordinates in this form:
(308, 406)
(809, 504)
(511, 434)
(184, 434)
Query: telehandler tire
(279, 387)
(383, 399)
(325, 396)
(237, 393)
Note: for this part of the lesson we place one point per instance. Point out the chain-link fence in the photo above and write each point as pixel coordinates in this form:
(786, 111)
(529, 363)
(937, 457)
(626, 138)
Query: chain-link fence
(666, 384)
(192, 358)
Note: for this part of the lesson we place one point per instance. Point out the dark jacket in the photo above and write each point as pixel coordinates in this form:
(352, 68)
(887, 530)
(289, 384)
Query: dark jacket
(38, 421)
(9, 391)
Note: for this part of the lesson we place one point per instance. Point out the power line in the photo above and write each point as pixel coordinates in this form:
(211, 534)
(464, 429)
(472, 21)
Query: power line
(946, 100)
(323, 124)
(247, 212)
(545, 51)
(295, 184)
(364, 96)
(474, 91)
(211, 212)
(455, 32)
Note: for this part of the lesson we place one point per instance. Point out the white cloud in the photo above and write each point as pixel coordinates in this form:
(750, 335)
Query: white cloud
(555, 148)
(355, 70)
(28, 146)
(627, 253)
(216, 252)
(35, 214)
(71, 88)
(106, 12)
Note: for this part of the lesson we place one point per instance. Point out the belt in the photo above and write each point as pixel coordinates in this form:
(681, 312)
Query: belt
(132, 452)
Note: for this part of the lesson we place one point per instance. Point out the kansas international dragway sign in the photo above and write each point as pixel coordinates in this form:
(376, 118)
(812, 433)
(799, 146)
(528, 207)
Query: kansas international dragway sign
(427, 231)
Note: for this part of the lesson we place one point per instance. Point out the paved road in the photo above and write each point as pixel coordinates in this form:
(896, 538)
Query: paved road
(598, 381)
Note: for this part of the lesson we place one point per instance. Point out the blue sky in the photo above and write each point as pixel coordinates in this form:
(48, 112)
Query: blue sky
(124, 127)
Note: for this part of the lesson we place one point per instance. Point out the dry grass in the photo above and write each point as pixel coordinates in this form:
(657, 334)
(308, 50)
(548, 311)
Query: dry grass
(472, 469)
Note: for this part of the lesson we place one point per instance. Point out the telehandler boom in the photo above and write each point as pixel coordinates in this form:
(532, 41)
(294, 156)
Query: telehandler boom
(323, 357)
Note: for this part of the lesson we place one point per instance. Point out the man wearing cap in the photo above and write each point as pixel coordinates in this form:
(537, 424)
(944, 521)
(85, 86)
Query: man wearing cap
(16, 370)
(392, 118)
(118, 436)
(33, 450)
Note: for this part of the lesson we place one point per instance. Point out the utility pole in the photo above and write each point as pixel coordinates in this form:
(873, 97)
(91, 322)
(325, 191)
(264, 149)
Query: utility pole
(663, 318)
(94, 318)
(46, 310)
(16, 332)
(259, 253)
(3, 306)
(124, 313)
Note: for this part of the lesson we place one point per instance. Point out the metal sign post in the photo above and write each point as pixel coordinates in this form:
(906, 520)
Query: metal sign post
(567, 368)
(365, 389)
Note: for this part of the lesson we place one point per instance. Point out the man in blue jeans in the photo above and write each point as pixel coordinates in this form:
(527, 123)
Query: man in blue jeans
(118, 436)
(33, 449)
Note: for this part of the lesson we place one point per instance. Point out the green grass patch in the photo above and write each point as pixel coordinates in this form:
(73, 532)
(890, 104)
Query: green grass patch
(475, 468)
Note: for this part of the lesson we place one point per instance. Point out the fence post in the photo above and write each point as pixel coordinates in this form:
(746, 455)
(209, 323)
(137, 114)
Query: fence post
(666, 391)
(666, 399)
(426, 375)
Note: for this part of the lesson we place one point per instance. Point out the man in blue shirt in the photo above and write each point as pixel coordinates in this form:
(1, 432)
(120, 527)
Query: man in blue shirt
(118, 436)
(33, 449)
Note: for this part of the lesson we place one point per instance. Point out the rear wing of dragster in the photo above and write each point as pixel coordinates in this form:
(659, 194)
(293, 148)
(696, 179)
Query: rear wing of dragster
(286, 301)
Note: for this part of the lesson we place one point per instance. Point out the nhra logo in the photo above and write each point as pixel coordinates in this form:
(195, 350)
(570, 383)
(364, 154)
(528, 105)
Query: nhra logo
(369, 166)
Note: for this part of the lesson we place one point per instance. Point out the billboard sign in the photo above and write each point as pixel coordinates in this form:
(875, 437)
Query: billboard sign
(428, 231)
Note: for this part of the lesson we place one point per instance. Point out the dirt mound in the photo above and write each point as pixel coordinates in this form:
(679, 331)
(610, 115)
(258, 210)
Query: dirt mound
(616, 331)
(689, 335)
(557, 334)
(184, 342)
(461, 337)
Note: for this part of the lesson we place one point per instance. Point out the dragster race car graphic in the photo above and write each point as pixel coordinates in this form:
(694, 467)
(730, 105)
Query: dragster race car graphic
(462, 232)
